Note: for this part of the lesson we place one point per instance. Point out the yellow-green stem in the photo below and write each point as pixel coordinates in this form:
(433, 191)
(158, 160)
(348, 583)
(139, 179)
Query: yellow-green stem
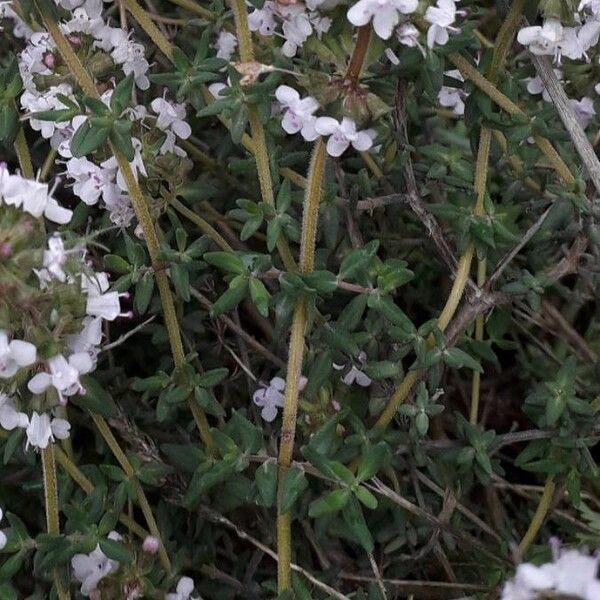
(479, 323)
(144, 218)
(505, 36)
(51, 503)
(203, 225)
(471, 73)
(88, 487)
(48, 164)
(295, 353)
(23, 155)
(146, 23)
(259, 143)
(539, 515)
(122, 459)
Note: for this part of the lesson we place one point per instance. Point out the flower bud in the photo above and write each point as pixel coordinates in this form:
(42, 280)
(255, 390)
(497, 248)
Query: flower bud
(49, 60)
(150, 544)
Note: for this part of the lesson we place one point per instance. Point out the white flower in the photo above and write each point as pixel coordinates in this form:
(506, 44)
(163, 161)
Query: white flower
(185, 587)
(171, 116)
(298, 113)
(130, 55)
(118, 205)
(91, 568)
(33, 102)
(343, 135)
(225, 45)
(33, 197)
(536, 86)
(41, 430)
(584, 110)
(385, 14)
(263, 20)
(90, 179)
(355, 375)
(542, 40)
(271, 397)
(63, 376)
(408, 35)
(572, 573)
(53, 261)
(441, 18)
(137, 165)
(296, 28)
(14, 355)
(2, 534)
(452, 97)
(10, 417)
(88, 339)
(106, 306)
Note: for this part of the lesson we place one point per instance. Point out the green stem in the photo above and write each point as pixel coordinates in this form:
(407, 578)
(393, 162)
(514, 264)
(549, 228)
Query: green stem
(23, 155)
(539, 516)
(51, 503)
(87, 486)
(295, 352)
(122, 459)
(259, 143)
(203, 225)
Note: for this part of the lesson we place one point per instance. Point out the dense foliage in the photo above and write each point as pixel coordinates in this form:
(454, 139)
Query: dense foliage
(298, 299)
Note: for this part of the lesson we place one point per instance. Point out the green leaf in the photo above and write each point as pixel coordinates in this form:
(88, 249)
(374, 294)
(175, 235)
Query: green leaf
(457, 358)
(329, 503)
(117, 264)
(259, 295)
(232, 297)
(365, 497)
(121, 95)
(374, 459)
(181, 280)
(202, 482)
(226, 261)
(294, 483)
(143, 293)
(115, 550)
(324, 282)
(207, 402)
(355, 520)
(211, 378)
(90, 135)
(120, 136)
(96, 398)
(9, 123)
(265, 479)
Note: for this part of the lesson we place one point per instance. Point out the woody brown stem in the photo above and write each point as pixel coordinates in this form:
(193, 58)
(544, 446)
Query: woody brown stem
(358, 55)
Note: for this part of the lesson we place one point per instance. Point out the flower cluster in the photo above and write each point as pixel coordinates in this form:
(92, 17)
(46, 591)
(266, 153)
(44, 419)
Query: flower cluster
(298, 116)
(298, 21)
(96, 176)
(69, 304)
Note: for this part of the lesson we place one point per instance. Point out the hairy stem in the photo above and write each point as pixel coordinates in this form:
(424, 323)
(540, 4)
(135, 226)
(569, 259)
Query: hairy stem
(88, 487)
(261, 154)
(295, 352)
(122, 459)
(23, 155)
(51, 503)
